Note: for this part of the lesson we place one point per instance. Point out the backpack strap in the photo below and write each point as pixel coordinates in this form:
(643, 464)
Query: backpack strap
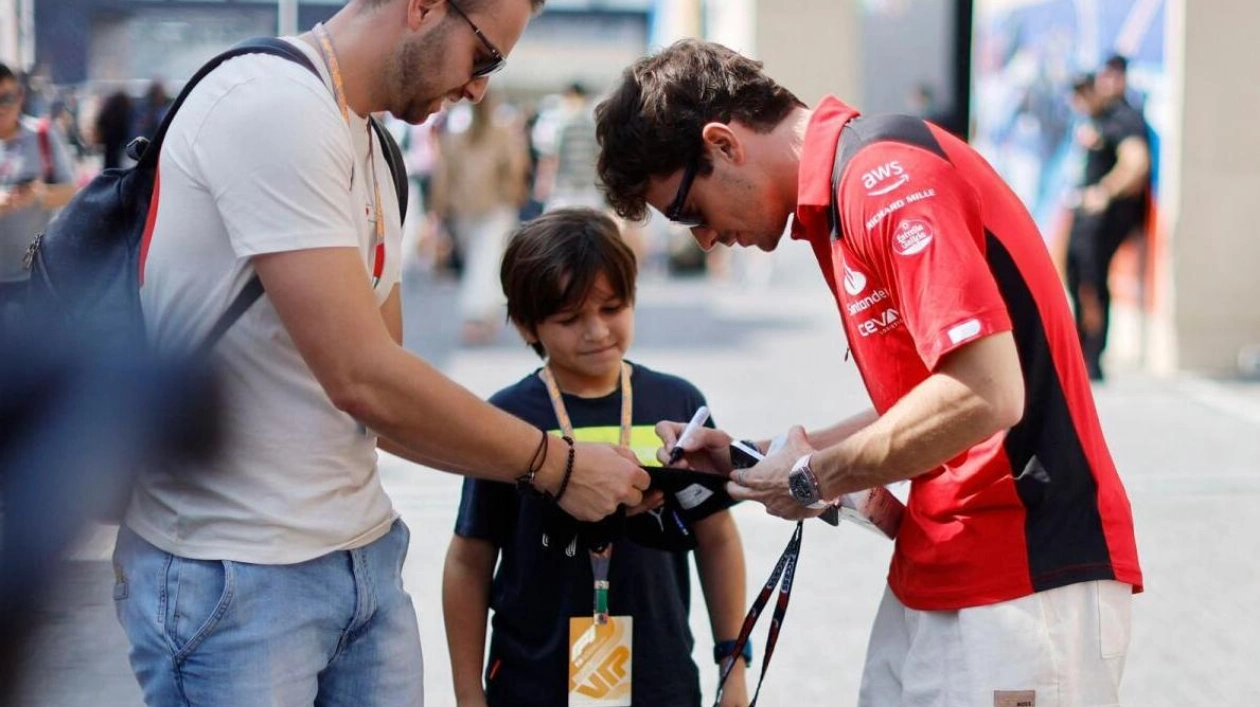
(261, 45)
(149, 157)
(275, 47)
(244, 300)
(397, 168)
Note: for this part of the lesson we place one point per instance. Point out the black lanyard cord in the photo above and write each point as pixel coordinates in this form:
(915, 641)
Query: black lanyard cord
(785, 569)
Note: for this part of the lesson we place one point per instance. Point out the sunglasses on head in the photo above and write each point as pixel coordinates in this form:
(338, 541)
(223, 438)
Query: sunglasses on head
(674, 211)
(483, 66)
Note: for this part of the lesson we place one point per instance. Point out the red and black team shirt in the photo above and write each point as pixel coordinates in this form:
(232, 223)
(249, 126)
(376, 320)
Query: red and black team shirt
(933, 251)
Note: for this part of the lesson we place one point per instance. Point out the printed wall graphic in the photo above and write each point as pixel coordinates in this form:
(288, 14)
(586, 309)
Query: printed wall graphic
(1024, 56)
(1025, 53)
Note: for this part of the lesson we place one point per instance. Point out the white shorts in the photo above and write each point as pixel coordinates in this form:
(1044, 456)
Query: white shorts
(1063, 647)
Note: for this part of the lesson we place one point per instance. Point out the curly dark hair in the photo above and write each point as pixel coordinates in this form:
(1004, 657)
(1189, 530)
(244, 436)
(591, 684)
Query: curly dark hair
(650, 125)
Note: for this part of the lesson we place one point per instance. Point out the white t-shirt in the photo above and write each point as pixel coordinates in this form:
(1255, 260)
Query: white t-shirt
(259, 160)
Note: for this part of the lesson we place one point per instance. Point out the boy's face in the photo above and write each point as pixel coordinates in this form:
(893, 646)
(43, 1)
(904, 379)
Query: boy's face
(585, 345)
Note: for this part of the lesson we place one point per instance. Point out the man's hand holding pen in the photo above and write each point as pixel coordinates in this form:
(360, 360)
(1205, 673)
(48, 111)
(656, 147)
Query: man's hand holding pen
(708, 450)
(704, 449)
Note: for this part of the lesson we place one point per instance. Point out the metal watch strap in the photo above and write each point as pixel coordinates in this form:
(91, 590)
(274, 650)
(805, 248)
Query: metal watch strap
(802, 474)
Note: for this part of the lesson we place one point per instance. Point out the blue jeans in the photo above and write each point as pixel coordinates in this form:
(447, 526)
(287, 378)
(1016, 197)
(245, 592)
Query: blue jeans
(336, 630)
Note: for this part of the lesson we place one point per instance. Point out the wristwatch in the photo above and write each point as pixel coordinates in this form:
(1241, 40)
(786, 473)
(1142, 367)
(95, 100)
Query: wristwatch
(726, 649)
(804, 484)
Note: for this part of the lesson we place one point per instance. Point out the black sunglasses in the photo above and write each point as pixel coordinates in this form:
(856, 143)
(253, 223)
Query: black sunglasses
(482, 66)
(674, 211)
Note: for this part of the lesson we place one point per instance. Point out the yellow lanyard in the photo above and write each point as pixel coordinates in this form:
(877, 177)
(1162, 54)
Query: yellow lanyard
(562, 415)
(339, 91)
(599, 559)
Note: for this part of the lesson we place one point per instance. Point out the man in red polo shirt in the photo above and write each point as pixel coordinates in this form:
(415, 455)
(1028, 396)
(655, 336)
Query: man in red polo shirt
(1015, 561)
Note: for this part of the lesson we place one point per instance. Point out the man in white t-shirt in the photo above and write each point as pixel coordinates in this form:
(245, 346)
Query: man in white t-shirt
(272, 576)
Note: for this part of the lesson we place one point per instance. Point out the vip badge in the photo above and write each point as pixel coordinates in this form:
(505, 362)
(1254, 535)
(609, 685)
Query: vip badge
(600, 661)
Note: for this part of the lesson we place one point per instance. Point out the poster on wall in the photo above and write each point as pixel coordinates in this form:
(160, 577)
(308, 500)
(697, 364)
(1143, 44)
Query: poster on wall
(1025, 55)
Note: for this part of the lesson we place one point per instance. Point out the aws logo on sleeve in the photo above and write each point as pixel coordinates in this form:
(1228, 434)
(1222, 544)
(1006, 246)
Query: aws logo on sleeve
(885, 179)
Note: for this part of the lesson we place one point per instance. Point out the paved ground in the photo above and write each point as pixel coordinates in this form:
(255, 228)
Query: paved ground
(766, 358)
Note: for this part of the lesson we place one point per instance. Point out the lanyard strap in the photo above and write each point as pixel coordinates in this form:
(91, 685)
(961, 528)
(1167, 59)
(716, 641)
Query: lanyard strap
(562, 413)
(601, 558)
(785, 569)
(339, 92)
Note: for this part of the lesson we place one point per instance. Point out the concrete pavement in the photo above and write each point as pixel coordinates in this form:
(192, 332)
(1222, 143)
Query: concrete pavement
(767, 358)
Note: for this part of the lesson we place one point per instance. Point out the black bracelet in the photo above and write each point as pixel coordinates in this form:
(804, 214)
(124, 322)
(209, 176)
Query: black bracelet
(525, 482)
(726, 649)
(568, 470)
(540, 455)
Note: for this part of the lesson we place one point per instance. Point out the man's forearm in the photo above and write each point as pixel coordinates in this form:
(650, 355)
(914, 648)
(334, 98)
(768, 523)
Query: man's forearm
(976, 394)
(842, 430)
(834, 434)
(434, 421)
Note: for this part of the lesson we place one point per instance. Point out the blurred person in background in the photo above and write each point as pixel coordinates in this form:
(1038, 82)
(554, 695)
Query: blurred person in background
(113, 128)
(419, 151)
(64, 115)
(921, 102)
(152, 109)
(1112, 83)
(37, 92)
(478, 188)
(1112, 205)
(36, 179)
(273, 576)
(567, 170)
(1017, 540)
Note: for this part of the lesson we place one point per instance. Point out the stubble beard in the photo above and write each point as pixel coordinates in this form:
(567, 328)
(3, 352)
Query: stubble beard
(411, 83)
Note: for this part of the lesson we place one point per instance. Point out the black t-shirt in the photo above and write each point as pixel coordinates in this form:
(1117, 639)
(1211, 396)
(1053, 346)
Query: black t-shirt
(1114, 125)
(537, 587)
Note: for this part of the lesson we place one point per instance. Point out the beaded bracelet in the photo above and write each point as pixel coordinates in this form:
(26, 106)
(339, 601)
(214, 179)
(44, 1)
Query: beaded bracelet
(568, 470)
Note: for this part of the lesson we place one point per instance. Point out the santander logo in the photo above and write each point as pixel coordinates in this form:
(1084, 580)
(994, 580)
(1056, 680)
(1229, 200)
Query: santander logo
(854, 282)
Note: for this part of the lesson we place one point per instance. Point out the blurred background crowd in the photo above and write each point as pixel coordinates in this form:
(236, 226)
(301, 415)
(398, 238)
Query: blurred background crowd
(1047, 90)
(1002, 73)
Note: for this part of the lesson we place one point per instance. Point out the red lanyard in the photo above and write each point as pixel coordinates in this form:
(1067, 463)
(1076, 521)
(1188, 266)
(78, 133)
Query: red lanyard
(786, 569)
(600, 557)
(339, 91)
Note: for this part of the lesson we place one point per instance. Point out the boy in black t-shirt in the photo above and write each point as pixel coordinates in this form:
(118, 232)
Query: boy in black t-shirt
(570, 285)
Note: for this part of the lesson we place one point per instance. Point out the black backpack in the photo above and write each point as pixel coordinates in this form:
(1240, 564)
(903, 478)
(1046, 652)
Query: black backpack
(85, 268)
